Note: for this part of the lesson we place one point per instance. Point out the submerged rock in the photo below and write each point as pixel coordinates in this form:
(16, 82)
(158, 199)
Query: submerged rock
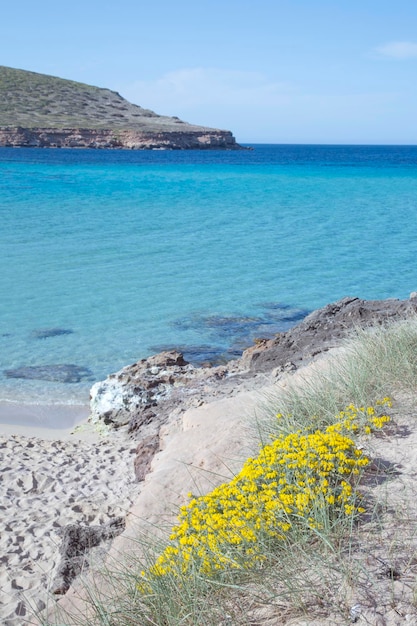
(60, 373)
(44, 333)
(231, 334)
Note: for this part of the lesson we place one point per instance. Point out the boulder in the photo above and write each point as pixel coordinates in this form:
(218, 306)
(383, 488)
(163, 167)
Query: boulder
(136, 388)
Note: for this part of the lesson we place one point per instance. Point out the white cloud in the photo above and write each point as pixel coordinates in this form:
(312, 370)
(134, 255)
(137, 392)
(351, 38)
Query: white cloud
(398, 50)
(188, 88)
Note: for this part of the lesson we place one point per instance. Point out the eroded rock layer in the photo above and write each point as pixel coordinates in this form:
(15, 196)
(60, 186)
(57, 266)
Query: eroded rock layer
(14, 137)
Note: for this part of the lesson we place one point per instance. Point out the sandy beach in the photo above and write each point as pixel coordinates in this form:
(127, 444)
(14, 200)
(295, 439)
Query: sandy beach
(52, 477)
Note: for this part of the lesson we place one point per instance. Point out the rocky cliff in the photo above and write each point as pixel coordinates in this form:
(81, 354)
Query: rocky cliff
(14, 137)
(37, 110)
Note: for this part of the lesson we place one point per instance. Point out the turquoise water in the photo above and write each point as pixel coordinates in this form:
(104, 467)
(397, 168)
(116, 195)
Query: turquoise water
(136, 251)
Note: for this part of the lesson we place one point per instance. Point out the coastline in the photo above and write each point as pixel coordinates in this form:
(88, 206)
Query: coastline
(54, 478)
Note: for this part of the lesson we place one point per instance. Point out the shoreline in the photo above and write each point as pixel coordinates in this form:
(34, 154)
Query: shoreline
(55, 477)
(55, 417)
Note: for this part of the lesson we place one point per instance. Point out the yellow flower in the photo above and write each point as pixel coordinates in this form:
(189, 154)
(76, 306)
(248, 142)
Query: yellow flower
(291, 479)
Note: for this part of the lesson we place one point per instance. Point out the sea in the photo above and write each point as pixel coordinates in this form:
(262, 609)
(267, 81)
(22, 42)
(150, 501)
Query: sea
(110, 256)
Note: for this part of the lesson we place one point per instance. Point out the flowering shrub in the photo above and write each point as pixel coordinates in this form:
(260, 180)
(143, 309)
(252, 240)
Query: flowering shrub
(290, 483)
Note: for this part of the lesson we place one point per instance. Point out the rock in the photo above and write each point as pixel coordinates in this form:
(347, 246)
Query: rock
(132, 139)
(323, 329)
(77, 540)
(148, 393)
(136, 388)
(60, 373)
(201, 355)
(146, 450)
(44, 333)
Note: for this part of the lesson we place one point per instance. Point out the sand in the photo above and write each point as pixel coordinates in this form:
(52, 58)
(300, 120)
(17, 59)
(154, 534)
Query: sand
(49, 478)
(207, 444)
(50, 482)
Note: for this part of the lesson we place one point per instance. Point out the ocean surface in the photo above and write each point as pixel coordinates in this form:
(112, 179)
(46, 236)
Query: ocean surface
(110, 256)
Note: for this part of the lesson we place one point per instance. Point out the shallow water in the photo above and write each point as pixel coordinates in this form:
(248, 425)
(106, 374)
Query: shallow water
(126, 253)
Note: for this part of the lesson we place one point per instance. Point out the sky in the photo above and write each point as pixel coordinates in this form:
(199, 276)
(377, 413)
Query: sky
(271, 71)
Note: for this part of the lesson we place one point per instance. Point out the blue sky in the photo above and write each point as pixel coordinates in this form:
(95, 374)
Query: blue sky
(272, 71)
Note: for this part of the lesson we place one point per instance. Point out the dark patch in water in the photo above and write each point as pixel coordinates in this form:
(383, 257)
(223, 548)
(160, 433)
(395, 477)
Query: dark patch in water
(44, 333)
(222, 327)
(239, 332)
(284, 312)
(60, 373)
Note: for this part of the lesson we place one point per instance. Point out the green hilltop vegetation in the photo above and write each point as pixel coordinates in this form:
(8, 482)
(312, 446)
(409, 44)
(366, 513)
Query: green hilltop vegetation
(32, 100)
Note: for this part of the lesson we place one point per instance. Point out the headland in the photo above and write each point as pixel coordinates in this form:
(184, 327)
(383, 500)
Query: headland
(37, 110)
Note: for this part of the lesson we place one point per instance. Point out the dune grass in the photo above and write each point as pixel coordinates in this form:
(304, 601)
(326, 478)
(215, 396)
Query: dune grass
(288, 540)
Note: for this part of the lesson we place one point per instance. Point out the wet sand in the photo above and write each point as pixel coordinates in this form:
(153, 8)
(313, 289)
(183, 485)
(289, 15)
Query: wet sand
(41, 416)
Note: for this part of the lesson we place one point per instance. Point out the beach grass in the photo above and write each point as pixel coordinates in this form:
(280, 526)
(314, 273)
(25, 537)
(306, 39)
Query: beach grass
(309, 531)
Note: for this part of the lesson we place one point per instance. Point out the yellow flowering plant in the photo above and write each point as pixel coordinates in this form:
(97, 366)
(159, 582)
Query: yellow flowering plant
(297, 479)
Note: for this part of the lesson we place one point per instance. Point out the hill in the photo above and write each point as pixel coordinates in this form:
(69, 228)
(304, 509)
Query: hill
(47, 111)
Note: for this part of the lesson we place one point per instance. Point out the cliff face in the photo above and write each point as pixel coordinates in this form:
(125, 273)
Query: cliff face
(37, 110)
(205, 139)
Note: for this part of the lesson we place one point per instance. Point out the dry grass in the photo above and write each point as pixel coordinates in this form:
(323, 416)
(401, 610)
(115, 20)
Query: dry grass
(33, 100)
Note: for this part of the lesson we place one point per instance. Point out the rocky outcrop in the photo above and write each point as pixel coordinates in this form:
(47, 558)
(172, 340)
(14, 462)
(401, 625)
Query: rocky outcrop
(142, 394)
(323, 329)
(145, 395)
(117, 138)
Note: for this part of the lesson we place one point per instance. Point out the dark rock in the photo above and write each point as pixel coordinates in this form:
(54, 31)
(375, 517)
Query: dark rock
(146, 416)
(146, 450)
(324, 329)
(60, 373)
(130, 393)
(44, 333)
(77, 540)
